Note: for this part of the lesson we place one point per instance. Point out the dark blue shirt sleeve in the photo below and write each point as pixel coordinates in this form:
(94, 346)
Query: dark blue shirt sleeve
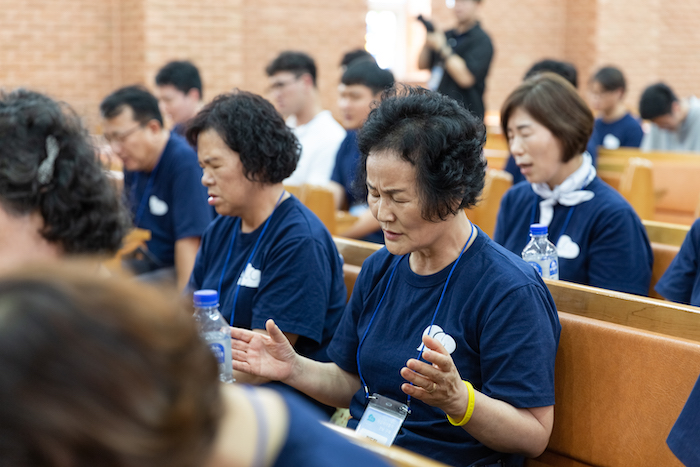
(684, 439)
(680, 279)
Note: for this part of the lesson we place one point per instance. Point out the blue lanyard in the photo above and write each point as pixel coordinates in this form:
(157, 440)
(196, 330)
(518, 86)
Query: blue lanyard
(236, 228)
(432, 322)
(146, 192)
(563, 227)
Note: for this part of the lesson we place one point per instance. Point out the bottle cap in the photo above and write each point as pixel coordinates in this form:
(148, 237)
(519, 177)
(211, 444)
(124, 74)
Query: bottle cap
(206, 297)
(538, 229)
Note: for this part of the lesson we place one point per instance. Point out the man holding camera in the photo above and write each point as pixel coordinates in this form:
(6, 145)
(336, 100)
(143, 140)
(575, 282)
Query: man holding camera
(460, 58)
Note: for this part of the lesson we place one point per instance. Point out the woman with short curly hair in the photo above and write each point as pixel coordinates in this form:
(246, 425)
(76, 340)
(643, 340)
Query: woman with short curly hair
(443, 321)
(54, 196)
(266, 253)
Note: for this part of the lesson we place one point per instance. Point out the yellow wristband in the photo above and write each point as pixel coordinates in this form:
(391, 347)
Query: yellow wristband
(470, 407)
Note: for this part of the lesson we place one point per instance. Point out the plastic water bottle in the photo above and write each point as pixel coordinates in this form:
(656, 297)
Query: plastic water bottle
(541, 253)
(214, 330)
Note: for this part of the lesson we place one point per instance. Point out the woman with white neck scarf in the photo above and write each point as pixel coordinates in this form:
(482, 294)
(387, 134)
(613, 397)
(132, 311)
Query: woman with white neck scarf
(600, 240)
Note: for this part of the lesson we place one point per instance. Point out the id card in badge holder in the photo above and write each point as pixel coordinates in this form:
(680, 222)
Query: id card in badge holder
(382, 419)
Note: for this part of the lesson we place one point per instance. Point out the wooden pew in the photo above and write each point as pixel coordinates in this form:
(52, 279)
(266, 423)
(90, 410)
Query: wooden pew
(637, 186)
(675, 175)
(319, 200)
(134, 239)
(618, 392)
(644, 313)
(665, 233)
(355, 252)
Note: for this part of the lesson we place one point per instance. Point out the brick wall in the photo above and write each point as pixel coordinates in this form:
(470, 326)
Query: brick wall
(80, 50)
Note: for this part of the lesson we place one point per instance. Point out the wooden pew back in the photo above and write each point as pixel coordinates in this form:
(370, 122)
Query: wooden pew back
(484, 214)
(618, 392)
(666, 233)
(675, 174)
(663, 255)
(319, 200)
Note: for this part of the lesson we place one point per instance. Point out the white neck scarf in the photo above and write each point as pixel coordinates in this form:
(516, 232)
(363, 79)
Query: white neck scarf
(569, 193)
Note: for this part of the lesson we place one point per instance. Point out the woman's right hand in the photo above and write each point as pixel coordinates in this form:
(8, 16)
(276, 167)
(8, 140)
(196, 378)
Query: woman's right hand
(271, 356)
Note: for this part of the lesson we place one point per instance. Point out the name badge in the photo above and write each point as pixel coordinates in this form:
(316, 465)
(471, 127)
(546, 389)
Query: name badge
(382, 419)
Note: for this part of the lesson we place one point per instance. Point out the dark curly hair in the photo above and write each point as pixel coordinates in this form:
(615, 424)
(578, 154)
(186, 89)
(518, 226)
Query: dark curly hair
(439, 137)
(250, 126)
(80, 207)
(101, 372)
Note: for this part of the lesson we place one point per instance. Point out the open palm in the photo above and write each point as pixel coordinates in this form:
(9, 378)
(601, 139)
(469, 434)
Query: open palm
(270, 356)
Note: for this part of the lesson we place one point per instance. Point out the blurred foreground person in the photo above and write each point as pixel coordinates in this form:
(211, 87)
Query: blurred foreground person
(111, 373)
(55, 199)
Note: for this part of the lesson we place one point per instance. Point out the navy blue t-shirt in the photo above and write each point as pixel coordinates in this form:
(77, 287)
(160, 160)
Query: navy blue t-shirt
(497, 317)
(625, 132)
(295, 276)
(607, 245)
(345, 168)
(344, 173)
(311, 444)
(684, 439)
(175, 205)
(681, 281)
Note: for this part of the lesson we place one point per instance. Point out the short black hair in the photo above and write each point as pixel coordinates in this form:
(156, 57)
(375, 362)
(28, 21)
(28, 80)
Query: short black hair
(80, 207)
(250, 126)
(656, 100)
(564, 69)
(357, 54)
(183, 75)
(294, 62)
(439, 137)
(610, 78)
(368, 74)
(138, 98)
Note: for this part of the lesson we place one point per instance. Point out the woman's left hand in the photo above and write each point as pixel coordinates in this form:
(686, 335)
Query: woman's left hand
(439, 384)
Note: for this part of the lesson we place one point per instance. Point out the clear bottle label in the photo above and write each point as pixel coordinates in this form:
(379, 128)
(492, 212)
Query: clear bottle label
(218, 350)
(546, 268)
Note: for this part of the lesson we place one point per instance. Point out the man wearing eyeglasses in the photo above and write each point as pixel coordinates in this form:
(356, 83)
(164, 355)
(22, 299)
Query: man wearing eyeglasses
(459, 58)
(293, 91)
(161, 184)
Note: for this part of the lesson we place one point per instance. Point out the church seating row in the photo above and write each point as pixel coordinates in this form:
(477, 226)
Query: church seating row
(624, 368)
(672, 184)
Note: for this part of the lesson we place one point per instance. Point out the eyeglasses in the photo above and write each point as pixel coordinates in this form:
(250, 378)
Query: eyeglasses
(120, 138)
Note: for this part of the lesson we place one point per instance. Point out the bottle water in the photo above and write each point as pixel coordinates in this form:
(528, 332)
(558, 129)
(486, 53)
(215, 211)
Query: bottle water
(541, 253)
(214, 330)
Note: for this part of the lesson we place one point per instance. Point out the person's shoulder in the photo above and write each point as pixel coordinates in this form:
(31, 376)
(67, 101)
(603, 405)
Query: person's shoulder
(297, 222)
(607, 197)
(325, 119)
(503, 270)
(179, 152)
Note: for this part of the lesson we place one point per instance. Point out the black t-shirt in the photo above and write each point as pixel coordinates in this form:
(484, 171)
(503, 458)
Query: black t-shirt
(475, 47)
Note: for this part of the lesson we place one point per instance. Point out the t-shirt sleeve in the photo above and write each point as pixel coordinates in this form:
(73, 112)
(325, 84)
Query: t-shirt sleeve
(518, 348)
(679, 279)
(633, 135)
(683, 439)
(343, 348)
(295, 288)
(478, 58)
(620, 255)
(191, 213)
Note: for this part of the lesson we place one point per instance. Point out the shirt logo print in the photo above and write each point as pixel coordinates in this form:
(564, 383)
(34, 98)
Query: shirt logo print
(441, 336)
(250, 277)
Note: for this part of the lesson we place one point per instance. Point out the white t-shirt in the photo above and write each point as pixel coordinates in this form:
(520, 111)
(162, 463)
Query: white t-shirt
(686, 139)
(320, 139)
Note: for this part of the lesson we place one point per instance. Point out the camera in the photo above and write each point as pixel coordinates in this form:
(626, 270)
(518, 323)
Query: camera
(427, 23)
